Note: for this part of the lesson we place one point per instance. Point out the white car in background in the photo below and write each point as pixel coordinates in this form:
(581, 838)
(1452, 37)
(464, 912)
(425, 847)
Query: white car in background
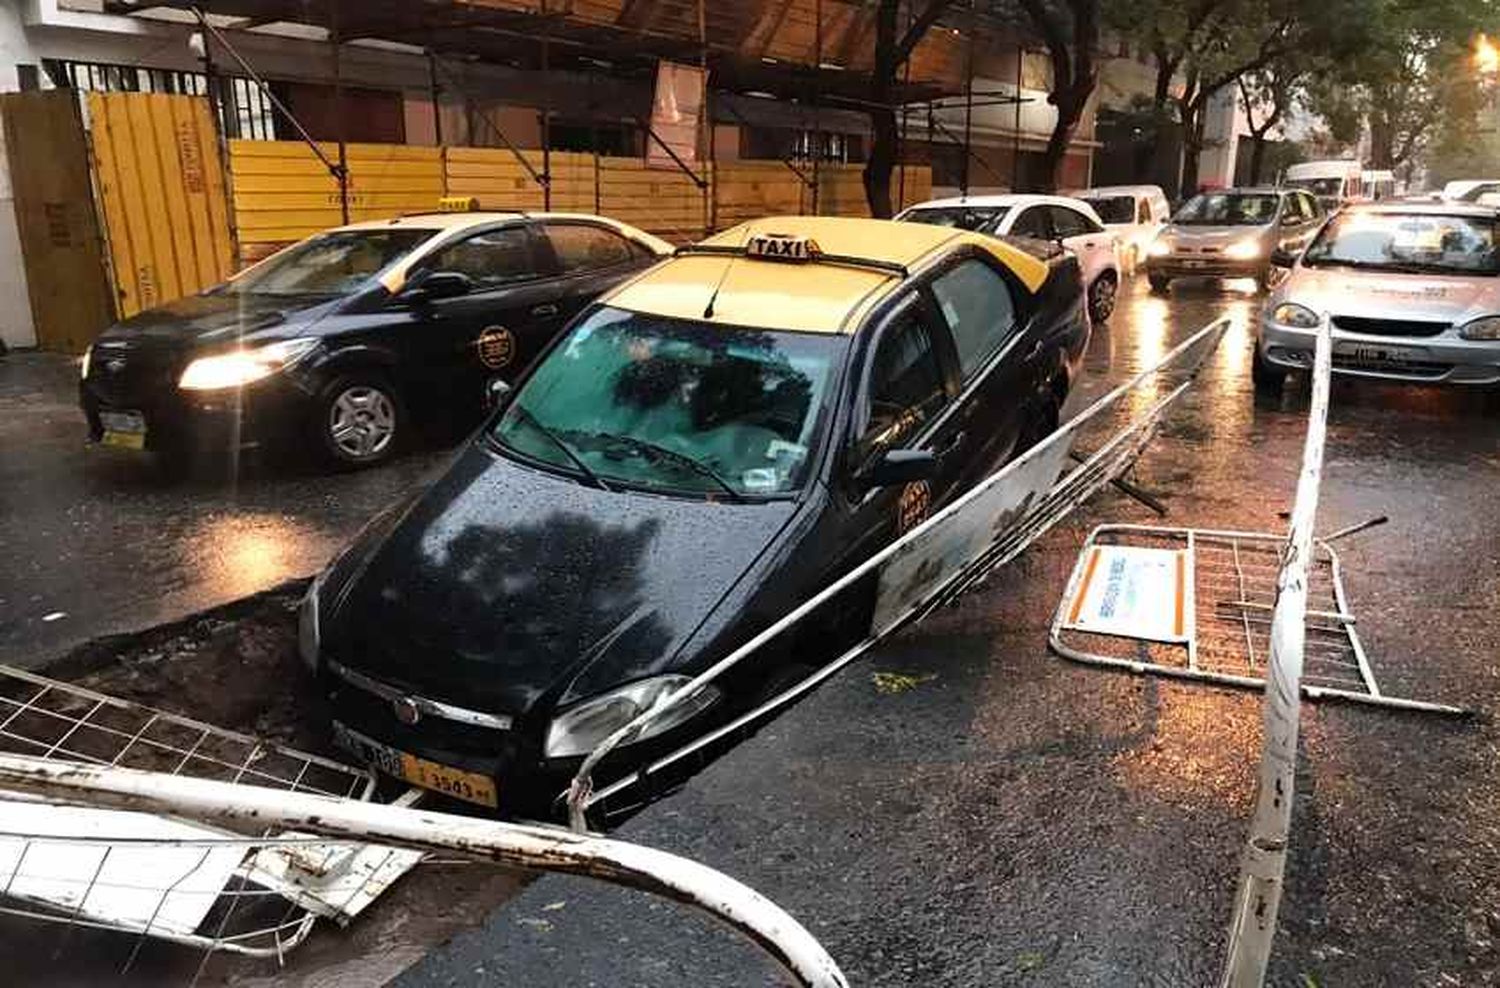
(1135, 214)
(1069, 222)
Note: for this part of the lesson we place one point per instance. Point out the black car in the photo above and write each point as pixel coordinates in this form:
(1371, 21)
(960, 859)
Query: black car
(705, 448)
(336, 342)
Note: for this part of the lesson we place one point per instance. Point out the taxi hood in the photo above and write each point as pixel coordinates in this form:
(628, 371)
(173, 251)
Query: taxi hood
(220, 319)
(503, 585)
(1392, 295)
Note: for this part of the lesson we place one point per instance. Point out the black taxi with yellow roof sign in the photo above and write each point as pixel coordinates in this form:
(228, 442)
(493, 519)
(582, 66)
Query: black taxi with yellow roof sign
(338, 342)
(703, 449)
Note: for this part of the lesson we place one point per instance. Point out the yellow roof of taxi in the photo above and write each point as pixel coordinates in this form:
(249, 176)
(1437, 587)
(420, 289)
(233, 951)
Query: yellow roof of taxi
(819, 296)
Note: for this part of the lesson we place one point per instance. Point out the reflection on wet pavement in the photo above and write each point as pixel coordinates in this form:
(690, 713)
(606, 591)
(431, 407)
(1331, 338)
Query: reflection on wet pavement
(112, 542)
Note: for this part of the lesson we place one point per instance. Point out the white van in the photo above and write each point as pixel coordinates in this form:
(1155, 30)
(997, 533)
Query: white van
(1135, 214)
(1378, 185)
(1333, 182)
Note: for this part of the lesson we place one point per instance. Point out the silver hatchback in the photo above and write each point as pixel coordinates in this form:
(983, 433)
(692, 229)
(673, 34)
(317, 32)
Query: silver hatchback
(1413, 291)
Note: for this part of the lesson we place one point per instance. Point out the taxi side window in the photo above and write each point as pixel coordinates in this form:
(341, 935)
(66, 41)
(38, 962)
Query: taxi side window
(906, 385)
(582, 247)
(1143, 211)
(1070, 223)
(976, 303)
(492, 258)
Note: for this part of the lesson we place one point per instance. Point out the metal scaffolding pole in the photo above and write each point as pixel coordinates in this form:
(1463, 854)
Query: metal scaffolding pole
(546, 120)
(708, 187)
(335, 41)
(968, 104)
(817, 137)
(1015, 149)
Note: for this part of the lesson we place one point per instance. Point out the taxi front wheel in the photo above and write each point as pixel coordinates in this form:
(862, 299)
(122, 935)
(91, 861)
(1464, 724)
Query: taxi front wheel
(359, 420)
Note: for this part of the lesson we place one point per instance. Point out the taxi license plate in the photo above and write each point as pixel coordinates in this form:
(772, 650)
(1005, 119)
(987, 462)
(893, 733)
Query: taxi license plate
(471, 787)
(1195, 264)
(127, 430)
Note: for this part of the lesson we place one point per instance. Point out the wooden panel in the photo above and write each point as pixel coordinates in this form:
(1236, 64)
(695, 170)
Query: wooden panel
(60, 243)
(157, 169)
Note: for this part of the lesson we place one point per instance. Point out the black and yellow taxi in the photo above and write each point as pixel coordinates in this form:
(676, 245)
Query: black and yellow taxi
(704, 448)
(339, 342)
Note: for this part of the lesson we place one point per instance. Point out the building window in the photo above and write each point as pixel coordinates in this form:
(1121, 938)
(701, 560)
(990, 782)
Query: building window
(245, 111)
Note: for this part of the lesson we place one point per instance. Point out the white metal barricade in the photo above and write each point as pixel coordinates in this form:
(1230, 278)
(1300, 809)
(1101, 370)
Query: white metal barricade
(235, 808)
(950, 552)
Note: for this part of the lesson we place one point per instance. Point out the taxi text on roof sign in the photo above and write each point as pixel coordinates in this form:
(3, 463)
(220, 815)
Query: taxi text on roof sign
(782, 247)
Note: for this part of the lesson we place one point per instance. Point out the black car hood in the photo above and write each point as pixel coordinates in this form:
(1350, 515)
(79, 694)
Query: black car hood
(220, 319)
(503, 584)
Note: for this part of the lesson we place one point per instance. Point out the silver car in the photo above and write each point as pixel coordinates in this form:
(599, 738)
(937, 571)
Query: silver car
(1231, 234)
(1412, 289)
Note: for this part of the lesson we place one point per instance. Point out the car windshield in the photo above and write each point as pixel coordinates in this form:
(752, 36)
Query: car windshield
(678, 406)
(1323, 188)
(1408, 242)
(333, 263)
(1113, 209)
(962, 217)
(1228, 209)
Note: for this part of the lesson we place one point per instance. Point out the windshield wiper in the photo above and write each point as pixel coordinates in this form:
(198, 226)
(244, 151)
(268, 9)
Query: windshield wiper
(523, 412)
(654, 451)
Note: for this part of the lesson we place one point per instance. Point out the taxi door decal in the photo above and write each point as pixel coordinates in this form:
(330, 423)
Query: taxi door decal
(913, 506)
(496, 346)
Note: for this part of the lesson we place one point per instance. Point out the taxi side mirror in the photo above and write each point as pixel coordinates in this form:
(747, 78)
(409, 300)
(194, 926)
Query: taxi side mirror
(496, 390)
(437, 285)
(900, 466)
(1283, 258)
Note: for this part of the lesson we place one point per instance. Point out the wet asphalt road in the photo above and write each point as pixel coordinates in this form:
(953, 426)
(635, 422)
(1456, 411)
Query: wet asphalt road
(1018, 820)
(110, 542)
(1012, 819)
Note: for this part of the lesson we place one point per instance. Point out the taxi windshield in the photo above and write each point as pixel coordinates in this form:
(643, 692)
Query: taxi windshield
(334, 263)
(1408, 242)
(677, 406)
(1228, 209)
(973, 218)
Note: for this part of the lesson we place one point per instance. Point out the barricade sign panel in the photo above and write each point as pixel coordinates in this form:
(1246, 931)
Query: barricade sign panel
(1134, 592)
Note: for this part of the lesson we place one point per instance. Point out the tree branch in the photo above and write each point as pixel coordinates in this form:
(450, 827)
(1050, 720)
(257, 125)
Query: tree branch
(919, 28)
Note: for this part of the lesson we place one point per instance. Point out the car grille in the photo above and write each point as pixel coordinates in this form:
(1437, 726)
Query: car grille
(1407, 368)
(131, 376)
(1390, 327)
(376, 716)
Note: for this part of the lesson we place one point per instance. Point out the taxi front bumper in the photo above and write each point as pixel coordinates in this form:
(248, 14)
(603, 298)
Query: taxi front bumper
(1446, 358)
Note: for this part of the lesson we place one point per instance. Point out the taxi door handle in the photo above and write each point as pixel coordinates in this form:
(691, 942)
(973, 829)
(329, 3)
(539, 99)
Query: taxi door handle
(545, 309)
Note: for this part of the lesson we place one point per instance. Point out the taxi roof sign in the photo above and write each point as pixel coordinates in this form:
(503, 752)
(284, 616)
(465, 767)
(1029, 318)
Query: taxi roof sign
(782, 247)
(458, 204)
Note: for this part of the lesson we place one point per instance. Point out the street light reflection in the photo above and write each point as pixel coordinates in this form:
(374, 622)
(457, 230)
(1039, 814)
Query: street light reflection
(1203, 747)
(1486, 56)
(247, 554)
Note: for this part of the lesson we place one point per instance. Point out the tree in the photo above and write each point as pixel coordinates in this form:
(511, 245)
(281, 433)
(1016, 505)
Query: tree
(1267, 97)
(893, 47)
(1202, 46)
(1070, 29)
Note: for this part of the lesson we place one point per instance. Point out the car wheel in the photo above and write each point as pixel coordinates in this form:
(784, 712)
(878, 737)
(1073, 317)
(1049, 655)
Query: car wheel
(1268, 379)
(360, 421)
(1160, 283)
(1102, 296)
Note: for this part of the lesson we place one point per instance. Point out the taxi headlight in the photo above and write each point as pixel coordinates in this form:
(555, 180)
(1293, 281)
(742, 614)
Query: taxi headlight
(579, 729)
(1160, 247)
(1297, 316)
(309, 632)
(240, 367)
(1245, 250)
(83, 365)
(1485, 328)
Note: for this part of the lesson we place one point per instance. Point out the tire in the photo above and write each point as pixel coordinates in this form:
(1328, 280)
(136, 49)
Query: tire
(1104, 293)
(359, 420)
(1159, 284)
(1268, 379)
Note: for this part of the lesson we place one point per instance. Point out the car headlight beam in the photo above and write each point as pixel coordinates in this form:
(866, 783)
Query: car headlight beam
(1245, 250)
(1484, 328)
(580, 729)
(1160, 248)
(1296, 316)
(83, 365)
(240, 367)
